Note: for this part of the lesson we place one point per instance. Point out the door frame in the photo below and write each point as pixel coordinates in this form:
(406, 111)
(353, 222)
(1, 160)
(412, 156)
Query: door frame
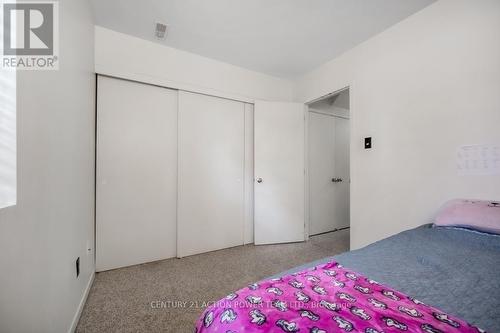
(306, 155)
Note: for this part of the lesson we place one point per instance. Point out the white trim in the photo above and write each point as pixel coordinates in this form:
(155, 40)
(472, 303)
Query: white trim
(78, 313)
(349, 87)
(159, 81)
(336, 92)
(306, 174)
(327, 114)
(248, 177)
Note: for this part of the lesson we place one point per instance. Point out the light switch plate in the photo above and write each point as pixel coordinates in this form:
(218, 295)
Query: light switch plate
(368, 142)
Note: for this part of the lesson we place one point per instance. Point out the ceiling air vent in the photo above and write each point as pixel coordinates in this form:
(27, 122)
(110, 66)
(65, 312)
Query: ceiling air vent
(160, 30)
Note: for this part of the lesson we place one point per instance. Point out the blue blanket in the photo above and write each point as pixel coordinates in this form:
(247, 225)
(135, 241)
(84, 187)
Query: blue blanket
(455, 270)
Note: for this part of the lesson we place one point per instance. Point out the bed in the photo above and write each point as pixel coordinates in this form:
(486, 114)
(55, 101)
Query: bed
(454, 270)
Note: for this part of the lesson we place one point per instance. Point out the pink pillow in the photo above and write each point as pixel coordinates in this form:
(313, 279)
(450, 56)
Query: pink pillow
(474, 214)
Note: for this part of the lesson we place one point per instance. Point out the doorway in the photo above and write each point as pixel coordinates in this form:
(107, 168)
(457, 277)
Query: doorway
(328, 158)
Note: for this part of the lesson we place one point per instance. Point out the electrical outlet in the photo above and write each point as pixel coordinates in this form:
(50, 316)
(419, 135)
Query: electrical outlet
(77, 264)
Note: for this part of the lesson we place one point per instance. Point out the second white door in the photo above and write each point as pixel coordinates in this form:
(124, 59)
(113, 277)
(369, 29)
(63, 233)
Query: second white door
(211, 158)
(328, 173)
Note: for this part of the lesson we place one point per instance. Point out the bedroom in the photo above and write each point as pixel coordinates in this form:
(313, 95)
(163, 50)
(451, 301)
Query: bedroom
(145, 177)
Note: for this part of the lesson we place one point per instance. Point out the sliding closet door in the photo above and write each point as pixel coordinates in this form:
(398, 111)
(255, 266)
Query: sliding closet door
(211, 174)
(136, 173)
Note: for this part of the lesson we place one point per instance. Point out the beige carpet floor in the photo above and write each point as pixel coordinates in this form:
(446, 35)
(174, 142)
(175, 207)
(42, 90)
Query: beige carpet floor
(169, 295)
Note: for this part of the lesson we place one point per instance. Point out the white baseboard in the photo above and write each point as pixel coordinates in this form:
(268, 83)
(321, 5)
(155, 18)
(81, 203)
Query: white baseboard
(78, 313)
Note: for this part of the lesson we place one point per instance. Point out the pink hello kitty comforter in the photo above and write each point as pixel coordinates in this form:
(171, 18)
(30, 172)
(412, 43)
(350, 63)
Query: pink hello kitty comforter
(326, 298)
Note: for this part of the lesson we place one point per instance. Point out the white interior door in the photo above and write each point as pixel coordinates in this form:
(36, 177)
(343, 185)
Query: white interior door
(211, 174)
(328, 161)
(136, 186)
(342, 189)
(321, 171)
(279, 172)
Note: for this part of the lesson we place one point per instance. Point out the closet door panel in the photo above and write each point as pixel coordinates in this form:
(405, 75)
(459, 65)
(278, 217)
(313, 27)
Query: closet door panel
(136, 184)
(321, 171)
(211, 174)
(342, 195)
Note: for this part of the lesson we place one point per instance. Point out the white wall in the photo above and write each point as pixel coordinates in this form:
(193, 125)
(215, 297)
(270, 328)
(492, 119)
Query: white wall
(42, 235)
(121, 55)
(421, 89)
(132, 58)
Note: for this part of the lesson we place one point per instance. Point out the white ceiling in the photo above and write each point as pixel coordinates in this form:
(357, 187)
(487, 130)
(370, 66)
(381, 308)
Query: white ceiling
(283, 38)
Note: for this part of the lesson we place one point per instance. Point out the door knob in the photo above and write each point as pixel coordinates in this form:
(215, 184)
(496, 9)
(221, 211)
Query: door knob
(336, 180)
(259, 180)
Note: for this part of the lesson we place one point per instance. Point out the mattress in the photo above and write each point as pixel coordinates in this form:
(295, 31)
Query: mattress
(455, 270)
